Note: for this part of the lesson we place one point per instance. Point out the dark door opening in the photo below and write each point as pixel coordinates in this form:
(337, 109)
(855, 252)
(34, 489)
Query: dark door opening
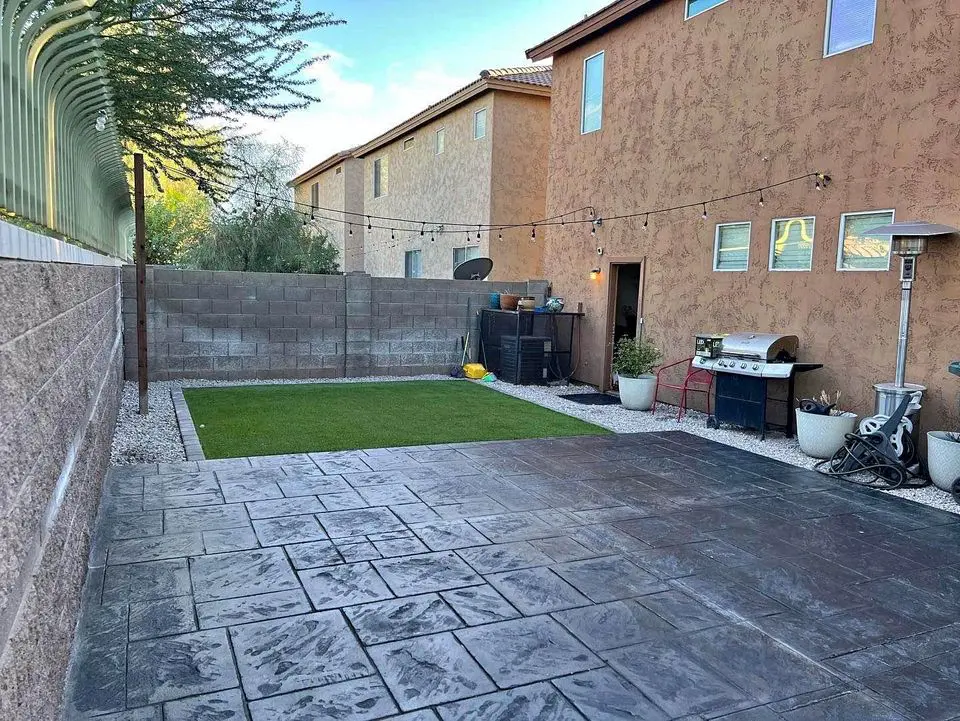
(627, 301)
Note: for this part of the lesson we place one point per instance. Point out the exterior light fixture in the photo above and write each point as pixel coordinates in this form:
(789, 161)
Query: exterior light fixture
(595, 273)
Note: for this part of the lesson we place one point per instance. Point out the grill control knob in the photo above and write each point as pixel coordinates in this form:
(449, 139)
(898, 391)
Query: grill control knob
(756, 366)
(743, 365)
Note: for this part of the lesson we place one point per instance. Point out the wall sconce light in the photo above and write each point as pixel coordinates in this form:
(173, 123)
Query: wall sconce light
(594, 274)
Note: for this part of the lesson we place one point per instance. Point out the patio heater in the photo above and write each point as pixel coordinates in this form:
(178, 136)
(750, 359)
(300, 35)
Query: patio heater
(908, 240)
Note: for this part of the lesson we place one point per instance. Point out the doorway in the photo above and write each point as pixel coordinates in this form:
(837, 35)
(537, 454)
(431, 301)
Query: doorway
(624, 316)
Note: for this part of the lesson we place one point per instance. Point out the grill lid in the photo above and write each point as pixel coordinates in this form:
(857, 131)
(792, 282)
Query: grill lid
(761, 346)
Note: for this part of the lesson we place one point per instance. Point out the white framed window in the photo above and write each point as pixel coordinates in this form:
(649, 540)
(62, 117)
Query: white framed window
(412, 264)
(480, 124)
(791, 243)
(731, 247)
(856, 251)
(315, 195)
(850, 25)
(440, 141)
(695, 7)
(408, 143)
(591, 106)
(461, 255)
(381, 173)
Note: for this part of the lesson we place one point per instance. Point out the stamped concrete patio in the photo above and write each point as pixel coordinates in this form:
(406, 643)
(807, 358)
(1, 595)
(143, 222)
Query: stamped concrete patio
(652, 576)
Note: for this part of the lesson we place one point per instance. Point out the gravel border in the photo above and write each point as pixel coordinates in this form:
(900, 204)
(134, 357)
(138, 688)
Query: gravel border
(156, 438)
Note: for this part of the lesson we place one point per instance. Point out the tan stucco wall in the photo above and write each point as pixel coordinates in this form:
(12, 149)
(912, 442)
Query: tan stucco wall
(739, 97)
(451, 187)
(340, 192)
(519, 182)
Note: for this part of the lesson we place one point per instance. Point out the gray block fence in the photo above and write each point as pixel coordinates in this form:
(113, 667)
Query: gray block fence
(230, 325)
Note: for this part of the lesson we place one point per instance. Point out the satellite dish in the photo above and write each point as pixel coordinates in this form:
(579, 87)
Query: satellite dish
(474, 269)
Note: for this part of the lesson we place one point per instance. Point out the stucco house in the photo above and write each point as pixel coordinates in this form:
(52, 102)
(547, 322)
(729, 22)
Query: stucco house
(479, 155)
(333, 191)
(664, 103)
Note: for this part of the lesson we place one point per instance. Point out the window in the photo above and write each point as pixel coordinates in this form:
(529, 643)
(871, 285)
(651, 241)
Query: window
(339, 169)
(461, 255)
(412, 264)
(850, 25)
(480, 124)
(439, 141)
(859, 252)
(791, 244)
(380, 176)
(591, 109)
(409, 143)
(695, 7)
(315, 195)
(731, 248)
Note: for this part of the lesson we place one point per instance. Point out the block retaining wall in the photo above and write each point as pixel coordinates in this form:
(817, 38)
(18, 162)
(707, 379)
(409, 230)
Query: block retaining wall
(232, 325)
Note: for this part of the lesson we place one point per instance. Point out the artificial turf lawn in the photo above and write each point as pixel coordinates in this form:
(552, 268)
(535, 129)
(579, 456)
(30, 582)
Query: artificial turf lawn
(298, 418)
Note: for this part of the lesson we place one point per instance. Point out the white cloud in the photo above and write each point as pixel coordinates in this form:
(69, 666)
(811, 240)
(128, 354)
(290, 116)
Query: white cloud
(352, 112)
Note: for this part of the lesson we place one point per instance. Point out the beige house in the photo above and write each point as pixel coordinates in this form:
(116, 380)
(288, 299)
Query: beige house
(477, 156)
(333, 191)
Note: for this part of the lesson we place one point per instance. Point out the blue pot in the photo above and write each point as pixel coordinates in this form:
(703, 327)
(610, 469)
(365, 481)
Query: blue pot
(495, 301)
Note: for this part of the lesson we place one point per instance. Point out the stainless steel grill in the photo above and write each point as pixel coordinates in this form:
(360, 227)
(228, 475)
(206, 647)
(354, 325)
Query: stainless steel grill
(762, 355)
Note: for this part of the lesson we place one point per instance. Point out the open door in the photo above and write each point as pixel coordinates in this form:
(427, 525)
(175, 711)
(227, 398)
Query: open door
(624, 317)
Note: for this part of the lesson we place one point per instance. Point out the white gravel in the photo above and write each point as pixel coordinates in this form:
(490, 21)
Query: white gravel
(155, 438)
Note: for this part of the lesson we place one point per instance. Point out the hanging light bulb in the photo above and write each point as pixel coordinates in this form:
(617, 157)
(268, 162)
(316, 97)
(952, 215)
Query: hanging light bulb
(500, 235)
(478, 232)
(392, 235)
(646, 221)
(421, 228)
(533, 233)
(369, 224)
(704, 216)
(761, 198)
(351, 230)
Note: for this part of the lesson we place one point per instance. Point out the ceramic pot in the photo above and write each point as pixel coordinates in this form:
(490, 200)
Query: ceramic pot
(527, 302)
(821, 436)
(943, 459)
(554, 304)
(508, 301)
(636, 394)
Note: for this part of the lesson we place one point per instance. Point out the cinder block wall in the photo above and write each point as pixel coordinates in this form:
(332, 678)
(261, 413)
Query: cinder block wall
(60, 374)
(232, 325)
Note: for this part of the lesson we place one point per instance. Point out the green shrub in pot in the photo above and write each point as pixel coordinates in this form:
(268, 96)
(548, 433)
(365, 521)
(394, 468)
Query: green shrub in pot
(633, 361)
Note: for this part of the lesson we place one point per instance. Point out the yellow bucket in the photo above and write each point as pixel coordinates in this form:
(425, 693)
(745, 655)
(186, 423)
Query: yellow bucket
(474, 370)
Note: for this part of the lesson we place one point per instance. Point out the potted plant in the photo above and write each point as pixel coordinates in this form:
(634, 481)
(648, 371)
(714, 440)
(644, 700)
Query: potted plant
(822, 426)
(943, 458)
(633, 361)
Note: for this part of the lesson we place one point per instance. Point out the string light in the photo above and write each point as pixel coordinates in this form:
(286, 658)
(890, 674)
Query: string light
(369, 224)
(392, 235)
(646, 221)
(704, 216)
(761, 198)
(421, 229)
(500, 235)
(351, 230)
(533, 233)
(478, 232)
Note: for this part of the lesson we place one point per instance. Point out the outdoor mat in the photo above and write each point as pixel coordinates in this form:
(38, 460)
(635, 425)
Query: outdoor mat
(593, 399)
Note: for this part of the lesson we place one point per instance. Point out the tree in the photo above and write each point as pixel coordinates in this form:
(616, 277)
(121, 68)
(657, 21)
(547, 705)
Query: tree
(274, 239)
(177, 218)
(187, 71)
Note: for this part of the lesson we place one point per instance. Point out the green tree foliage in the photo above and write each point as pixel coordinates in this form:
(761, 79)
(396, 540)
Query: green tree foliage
(186, 72)
(273, 239)
(177, 218)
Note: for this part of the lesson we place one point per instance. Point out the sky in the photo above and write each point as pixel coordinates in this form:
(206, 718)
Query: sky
(393, 58)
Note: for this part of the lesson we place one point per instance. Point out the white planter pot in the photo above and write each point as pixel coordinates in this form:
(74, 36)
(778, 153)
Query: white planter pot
(636, 394)
(943, 459)
(822, 436)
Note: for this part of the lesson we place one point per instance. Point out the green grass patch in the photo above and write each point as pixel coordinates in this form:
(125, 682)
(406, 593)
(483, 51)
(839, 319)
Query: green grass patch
(300, 418)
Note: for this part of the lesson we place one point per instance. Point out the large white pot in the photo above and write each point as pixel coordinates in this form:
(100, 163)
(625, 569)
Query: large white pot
(822, 436)
(636, 394)
(943, 459)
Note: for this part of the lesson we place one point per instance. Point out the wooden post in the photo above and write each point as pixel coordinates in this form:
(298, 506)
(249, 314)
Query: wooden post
(141, 261)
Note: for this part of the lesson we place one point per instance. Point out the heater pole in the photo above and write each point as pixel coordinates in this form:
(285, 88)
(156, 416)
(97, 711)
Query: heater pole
(908, 270)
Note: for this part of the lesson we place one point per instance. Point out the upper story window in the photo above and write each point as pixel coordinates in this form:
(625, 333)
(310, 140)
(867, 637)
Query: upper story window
(850, 24)
(791, 243)
(315, 195)
(591, 114)
(860, 252)
(339, 169)
(380, 176)
(440, 140)
(409, 143)
(412, 264)
(695, 7)
(731, 248)
(461, 255)
(480, 124)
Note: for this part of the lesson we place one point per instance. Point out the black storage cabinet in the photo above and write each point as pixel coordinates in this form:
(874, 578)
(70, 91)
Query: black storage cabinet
(514, 367)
